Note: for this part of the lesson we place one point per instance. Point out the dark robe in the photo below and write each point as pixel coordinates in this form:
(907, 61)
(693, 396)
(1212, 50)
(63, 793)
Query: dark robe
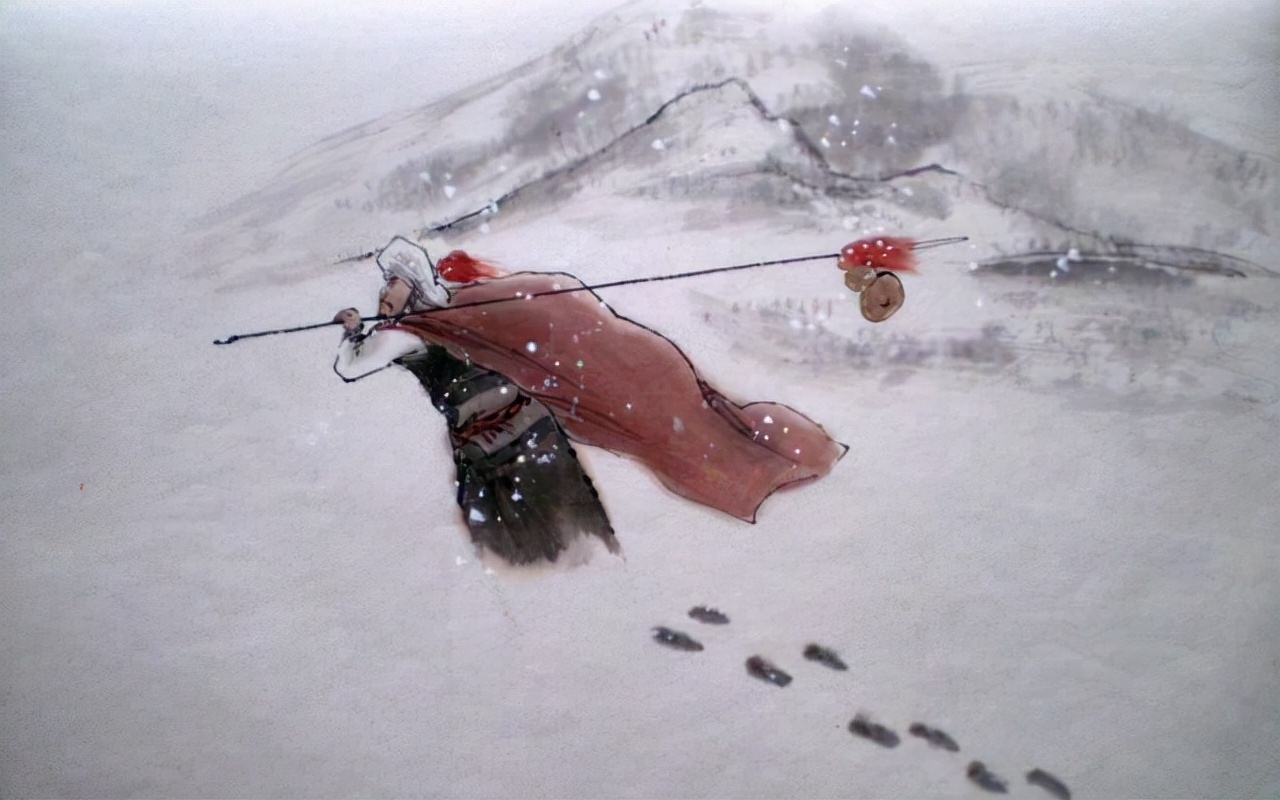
(522, 492)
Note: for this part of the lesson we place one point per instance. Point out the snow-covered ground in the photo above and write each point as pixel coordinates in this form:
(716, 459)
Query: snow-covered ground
(225, 573)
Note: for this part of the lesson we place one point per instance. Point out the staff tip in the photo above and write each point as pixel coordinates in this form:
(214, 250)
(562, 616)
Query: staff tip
(927, 243)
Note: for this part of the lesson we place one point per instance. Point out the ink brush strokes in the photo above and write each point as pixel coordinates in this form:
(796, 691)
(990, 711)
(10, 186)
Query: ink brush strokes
(676, 640)
(1051, 784)
(710, 616)
(826, 657)
(985, 778)
(864, 728)
(762, 669)
(861, 725)
(934, 737)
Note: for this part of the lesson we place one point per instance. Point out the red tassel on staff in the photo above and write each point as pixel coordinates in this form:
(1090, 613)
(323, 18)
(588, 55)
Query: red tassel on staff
(891, 253)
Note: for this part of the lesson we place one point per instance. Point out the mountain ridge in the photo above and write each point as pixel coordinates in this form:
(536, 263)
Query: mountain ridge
(923, 148)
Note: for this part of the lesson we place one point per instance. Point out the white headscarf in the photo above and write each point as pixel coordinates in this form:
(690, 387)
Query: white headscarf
(410, 263)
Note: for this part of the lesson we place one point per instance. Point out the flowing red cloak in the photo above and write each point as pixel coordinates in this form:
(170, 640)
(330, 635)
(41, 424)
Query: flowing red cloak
(616, 384)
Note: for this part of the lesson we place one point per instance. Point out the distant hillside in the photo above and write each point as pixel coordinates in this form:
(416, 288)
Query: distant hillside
(665, 100)
(1108, 245)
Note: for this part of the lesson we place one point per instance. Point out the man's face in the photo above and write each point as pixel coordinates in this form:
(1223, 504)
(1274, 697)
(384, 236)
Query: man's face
(393, 297)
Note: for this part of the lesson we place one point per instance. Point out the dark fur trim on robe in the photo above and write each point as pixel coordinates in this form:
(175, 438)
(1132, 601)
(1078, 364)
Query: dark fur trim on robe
(521, 490)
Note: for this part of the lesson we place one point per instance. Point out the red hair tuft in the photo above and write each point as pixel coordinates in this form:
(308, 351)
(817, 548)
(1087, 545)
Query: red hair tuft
(458, 267)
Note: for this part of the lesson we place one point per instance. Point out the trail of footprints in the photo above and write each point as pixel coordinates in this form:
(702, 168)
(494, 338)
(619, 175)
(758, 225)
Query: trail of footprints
(860, 726)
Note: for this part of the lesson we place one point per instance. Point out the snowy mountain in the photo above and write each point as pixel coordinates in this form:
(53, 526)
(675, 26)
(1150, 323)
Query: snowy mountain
(714, 121)
(857, 111)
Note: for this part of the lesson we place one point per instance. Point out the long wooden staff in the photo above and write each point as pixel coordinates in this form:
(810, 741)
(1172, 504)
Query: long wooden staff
(872, 253)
